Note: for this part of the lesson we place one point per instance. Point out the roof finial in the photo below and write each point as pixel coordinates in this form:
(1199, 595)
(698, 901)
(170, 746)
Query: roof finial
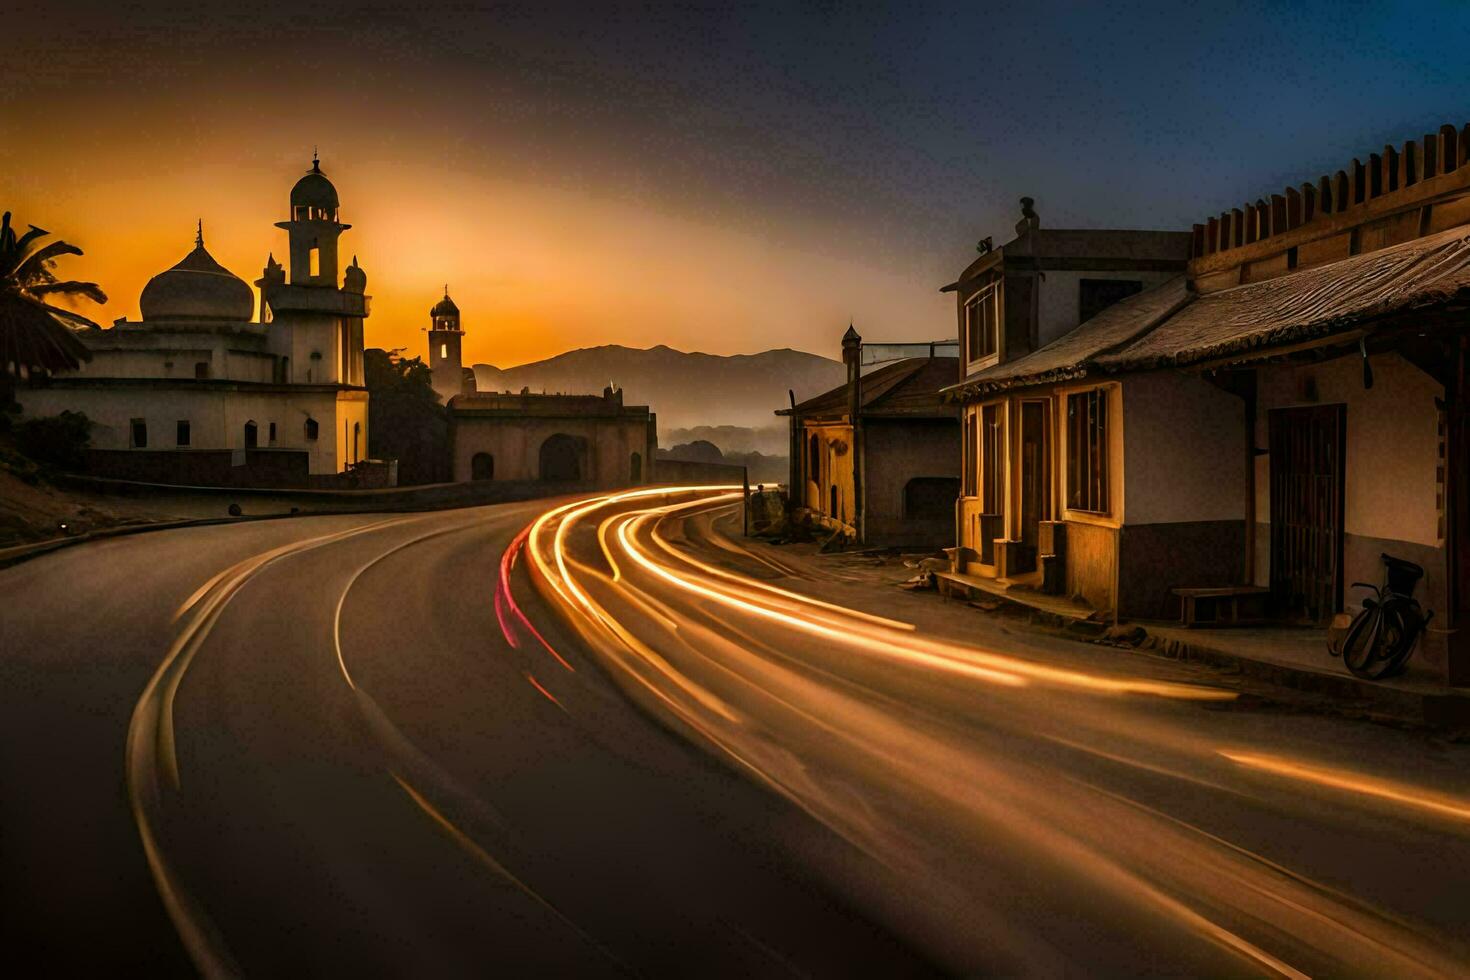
(446, 290)
(316, 166)
(199, 235)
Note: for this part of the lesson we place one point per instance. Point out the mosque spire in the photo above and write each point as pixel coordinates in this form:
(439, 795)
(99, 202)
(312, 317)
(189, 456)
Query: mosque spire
(199, 234)
(316, 165)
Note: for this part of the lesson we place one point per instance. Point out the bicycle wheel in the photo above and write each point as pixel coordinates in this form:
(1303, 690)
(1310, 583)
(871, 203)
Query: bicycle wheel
(1360, 646)
(1409, 626)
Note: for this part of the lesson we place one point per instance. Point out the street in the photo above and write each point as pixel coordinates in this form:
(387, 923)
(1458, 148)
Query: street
(609, 735)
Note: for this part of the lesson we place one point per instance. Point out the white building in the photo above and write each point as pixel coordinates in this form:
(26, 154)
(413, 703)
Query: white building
(197, 392)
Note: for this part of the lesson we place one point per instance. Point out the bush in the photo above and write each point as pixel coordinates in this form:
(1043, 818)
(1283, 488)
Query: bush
(57, 440)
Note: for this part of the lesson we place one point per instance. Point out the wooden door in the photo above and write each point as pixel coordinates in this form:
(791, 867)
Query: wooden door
(1307, 476)
(1035, 471)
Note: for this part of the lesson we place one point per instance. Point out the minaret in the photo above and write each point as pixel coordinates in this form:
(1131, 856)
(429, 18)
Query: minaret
(313, 229)
(316, 324)
(444, 349)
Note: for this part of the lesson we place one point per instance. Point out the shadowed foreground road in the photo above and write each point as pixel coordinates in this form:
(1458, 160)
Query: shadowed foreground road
(341, 766)
(615, 742)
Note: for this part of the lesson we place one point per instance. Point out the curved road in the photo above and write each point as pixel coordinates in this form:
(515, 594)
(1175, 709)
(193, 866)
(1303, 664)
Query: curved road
(607, 736)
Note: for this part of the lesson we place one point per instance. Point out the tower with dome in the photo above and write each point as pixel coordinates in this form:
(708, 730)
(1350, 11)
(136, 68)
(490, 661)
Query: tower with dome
(446, 362)
(196, 391)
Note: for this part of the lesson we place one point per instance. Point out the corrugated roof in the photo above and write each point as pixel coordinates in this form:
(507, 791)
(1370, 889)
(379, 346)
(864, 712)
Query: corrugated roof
(1168, 325)
(1306, 305)
(904, 388)
(1068, 356)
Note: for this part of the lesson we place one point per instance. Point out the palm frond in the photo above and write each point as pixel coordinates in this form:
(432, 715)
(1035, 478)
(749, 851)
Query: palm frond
(69, 315)
(28, 237)
(90, 290)
(32, 338)
(33, 268)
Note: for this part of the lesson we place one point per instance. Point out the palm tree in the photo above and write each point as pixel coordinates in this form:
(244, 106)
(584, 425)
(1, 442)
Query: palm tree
(36, 337)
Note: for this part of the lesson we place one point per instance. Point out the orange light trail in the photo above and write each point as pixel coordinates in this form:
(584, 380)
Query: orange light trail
(1356, 783)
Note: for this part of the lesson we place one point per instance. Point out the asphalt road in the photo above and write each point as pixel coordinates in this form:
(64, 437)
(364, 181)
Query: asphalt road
(1039, 806)
(433, 745)
(338, 765)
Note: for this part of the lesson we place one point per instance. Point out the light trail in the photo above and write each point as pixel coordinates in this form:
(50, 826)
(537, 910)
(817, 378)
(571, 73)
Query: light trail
(151, 747)
(1355, 783)
(794, 691)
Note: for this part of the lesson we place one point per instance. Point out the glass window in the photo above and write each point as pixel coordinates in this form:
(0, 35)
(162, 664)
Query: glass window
(982, 323)
(181, 433)
(1087, 451)
(139, 433)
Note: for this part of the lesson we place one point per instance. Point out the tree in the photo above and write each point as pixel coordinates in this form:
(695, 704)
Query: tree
(35, 336)
(405, 420)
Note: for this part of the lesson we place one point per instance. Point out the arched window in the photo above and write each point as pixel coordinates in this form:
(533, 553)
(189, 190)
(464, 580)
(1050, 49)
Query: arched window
(814, 460)
(833, 511)
(635, 468)
(482, 467)
(252, 435)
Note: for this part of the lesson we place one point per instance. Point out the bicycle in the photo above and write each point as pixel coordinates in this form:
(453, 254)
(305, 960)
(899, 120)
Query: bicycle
(1382, 636)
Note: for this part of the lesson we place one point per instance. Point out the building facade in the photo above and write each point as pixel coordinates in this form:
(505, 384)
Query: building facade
(878, 458)
(196, 391)
(584, 440)
(1019, 490)
(1275, 420)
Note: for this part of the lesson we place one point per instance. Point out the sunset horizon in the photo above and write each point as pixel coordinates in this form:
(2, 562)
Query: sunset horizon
(732, 490)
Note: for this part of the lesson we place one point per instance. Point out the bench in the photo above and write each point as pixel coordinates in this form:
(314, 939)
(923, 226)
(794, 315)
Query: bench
(1227, 605)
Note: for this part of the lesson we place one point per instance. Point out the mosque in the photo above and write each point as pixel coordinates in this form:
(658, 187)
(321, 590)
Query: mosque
(196, 391)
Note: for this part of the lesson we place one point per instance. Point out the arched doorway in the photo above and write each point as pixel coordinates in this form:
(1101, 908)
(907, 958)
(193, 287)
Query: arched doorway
(252, 435)
(561, 459)
(635, 468)
(482, 467)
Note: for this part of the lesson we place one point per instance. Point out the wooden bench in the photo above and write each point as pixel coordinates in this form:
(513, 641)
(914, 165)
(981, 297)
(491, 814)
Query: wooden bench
(1222, 605)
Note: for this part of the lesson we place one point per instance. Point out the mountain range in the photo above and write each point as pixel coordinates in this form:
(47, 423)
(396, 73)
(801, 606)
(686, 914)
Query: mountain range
(685, 389)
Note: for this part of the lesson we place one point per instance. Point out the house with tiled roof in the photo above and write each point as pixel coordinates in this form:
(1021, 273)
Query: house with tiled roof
(877, 457)
(1275, 419)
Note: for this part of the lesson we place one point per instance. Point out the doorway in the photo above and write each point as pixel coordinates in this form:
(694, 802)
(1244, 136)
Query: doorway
(561, 459)
(1035, 474)
(1307, 480)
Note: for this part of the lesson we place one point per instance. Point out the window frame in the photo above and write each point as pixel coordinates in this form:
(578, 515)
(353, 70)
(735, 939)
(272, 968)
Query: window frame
(987, 297)
(1088, 451)
(135, 427)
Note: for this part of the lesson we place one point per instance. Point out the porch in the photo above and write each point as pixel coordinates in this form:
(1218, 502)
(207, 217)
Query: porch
(1297, 658)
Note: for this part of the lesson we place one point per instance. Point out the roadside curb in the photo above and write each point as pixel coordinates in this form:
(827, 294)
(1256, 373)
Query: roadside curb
(1449, 710)
(24, 552)
(1079, 628)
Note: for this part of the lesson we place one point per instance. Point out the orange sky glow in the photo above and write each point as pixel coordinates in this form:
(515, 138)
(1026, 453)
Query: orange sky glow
(536, 268)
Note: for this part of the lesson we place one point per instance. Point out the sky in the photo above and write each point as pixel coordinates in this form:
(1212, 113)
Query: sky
(716, 178)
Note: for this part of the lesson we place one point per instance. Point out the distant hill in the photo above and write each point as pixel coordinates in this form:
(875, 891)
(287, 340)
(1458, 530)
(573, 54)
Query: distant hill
(685, 389)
